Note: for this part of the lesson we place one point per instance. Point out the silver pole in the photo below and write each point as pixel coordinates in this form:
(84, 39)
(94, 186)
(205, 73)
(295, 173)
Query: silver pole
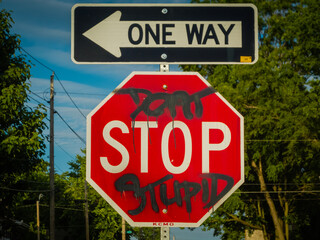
(165, 231)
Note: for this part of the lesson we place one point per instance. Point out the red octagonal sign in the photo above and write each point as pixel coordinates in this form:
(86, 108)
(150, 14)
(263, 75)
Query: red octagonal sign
(165, 149)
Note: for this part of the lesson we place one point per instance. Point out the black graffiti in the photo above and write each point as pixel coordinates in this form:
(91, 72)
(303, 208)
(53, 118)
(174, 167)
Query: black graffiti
(169, 100)
(130, 182)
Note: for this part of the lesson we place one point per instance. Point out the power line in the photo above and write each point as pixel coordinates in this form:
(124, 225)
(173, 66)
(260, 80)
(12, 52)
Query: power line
(82, 140)
(64, 122)
(36, 60)
(24, 190)
(42, 64)
(83, 93)
(39, 96)
(274, 199)
(69, 96)
(64, 150)
(31, 181)
(41, 104)
(285, 191)
(279, 184)
(64, 91)
(281, 140)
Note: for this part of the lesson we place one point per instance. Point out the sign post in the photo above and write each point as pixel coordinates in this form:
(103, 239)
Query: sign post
(159, 33)
(164, 231)
(165, 149)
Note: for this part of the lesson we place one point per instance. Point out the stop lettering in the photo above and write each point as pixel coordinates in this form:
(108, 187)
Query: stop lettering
(165, 149)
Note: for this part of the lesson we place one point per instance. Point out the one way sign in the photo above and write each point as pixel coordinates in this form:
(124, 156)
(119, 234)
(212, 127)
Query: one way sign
(154, 33)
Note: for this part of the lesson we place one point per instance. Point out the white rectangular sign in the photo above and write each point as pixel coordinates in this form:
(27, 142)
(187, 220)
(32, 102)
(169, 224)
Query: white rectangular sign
(183, 34)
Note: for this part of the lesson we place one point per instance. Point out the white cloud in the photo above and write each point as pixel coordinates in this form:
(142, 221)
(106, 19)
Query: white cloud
(85, 96)
(41, 33)
(62, 59)
(44, 26)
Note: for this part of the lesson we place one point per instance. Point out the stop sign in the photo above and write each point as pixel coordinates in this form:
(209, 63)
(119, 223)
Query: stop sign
(165, 149)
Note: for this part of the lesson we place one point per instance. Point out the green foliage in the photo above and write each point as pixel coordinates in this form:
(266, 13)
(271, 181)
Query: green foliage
(21, 133)
(146, 233)
(21, 139)
(279, 99)
(105, 222)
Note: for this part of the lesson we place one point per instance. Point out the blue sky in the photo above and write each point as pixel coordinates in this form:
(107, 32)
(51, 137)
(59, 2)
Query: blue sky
(45, 29)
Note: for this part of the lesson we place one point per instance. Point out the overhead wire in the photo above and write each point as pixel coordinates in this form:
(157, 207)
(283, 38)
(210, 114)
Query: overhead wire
(38, 102)
(281, 191)
(64, 150)
(39, 96)
(64, 91)
(81, 139)
(69, 96)
(42, 64)
(277, 184)
(62, 120)
(24, 190)
(55, 74)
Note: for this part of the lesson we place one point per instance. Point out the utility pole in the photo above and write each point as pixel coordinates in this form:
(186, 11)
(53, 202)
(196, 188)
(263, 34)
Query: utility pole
(38, 215)
(123, 229)
(52, 204)
(38, 221)
(86, 209)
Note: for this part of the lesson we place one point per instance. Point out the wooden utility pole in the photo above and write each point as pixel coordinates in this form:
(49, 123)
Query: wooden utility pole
(52, 204)
(86, 209)
(123, 229)
(38, 221)
(38, 216)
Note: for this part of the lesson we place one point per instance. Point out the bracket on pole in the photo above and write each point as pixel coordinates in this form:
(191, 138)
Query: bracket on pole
(165, 233)
(164, 67)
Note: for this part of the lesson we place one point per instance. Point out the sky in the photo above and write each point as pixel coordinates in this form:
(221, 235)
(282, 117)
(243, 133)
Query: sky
(45, 30)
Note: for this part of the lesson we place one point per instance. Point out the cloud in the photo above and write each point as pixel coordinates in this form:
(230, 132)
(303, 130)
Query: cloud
(44, 34)
(39, 12)
(62, 58)
(85, 96)
(44, 26)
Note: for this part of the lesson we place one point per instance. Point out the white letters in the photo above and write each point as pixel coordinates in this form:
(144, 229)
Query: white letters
(144, 142)
(114, 143)
(165, 150)
(145, 127)
(207, 147)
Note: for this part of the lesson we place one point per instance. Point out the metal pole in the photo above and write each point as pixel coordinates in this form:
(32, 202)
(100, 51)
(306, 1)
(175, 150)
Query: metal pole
(165, 231)
(123, 229)
(164, 67)
(52, 204)
(86, 209)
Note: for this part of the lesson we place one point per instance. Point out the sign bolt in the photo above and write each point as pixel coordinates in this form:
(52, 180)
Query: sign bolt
(164, 56)
(165, 87)
(164, 11)
(164, 211)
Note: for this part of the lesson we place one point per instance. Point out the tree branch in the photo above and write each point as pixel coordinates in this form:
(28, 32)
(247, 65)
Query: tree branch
(273, 210)
(243, 222)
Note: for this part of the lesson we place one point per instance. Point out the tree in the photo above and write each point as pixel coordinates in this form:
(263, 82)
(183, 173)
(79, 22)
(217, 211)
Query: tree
(104, 222)
(21, 126)
(279, 99)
